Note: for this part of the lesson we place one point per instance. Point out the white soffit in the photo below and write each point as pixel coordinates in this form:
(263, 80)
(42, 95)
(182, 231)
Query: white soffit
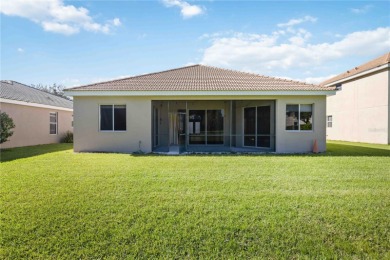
(199, 93)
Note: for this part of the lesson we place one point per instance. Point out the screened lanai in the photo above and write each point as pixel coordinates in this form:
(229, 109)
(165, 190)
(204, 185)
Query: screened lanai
(213, 126)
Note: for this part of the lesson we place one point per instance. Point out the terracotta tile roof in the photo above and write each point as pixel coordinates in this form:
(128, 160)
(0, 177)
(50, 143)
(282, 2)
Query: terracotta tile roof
(384, 59)
(17, 91)
(200, 78)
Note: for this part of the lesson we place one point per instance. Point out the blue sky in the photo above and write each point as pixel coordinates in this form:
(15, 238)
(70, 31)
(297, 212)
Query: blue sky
(80, 42)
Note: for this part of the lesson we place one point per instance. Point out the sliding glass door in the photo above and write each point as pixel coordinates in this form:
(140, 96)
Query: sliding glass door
(205, 127)
(257, 126)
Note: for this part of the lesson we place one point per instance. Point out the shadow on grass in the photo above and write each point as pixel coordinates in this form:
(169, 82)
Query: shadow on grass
(11, 154)
(333, 149)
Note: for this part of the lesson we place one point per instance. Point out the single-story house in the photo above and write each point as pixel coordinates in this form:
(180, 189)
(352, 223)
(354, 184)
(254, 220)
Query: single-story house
(360, 110)
(39, 117)
(200, 109)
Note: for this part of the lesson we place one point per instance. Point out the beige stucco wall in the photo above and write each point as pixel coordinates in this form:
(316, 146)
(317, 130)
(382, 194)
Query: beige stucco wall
(87, 136)
(361, 110)
(300, 141)
(32, 125)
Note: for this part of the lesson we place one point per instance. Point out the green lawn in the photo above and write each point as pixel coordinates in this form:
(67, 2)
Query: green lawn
(58, 204)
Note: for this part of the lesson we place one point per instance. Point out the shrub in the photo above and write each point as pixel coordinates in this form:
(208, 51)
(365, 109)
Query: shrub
(67, 138)
(307, 126)
(6, 126)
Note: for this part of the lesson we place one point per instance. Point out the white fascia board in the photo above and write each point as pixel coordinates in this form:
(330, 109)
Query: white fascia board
(23, 103)
(80, 93)
(384, 66)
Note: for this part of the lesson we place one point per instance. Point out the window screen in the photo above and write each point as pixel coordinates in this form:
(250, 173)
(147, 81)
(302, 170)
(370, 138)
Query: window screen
(120, 118)
(330, 121)
(292, 117)
(250, 126)
(306, 117)
(106, 118)
(53, 123)
(299, 117)
(113, 117)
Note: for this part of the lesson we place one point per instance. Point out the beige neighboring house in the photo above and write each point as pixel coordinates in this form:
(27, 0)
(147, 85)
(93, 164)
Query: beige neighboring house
(39, 117)
(360, 110)
(199, 109)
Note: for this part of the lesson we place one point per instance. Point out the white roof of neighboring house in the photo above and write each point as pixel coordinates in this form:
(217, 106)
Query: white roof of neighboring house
(199, 78)
(12, 90)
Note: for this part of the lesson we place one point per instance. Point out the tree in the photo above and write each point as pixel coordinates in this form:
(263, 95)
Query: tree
(306, 117)
(6, 124)
(54, 89)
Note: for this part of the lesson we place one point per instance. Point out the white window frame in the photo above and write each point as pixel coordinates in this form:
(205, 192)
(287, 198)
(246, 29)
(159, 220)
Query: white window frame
(56, 123)
(329, 121)
(113, 118)
(299, 118)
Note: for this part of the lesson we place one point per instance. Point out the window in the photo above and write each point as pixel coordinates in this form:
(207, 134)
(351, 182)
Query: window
(257, 126)
(112, 117)
(329, 120)
(53, 123)
(205, 127)
(299, 117)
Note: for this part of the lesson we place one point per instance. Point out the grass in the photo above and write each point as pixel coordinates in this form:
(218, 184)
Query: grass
(58, 204)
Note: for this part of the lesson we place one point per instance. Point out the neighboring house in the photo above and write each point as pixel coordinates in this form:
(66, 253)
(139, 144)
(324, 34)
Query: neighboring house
(39, 117)
(360, 110)
(199, 109)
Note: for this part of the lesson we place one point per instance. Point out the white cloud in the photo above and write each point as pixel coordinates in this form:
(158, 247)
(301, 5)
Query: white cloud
(116, 22)
(55, 16)
(316, 80)
(189, 64)
(274, 53)
(70, 82)
(187, 10)
(103, 79)
(59, 28)
(20, 50)
(361, 10)
(294, 22)
(311, 80)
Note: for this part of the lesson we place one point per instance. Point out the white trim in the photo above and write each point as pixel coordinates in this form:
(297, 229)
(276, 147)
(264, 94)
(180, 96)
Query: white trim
(384, 66)
(82, 93)
(23, 103)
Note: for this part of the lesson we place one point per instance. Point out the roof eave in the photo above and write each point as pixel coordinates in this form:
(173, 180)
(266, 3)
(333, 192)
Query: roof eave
(32, 104)
(360, 74)
(199, 93)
